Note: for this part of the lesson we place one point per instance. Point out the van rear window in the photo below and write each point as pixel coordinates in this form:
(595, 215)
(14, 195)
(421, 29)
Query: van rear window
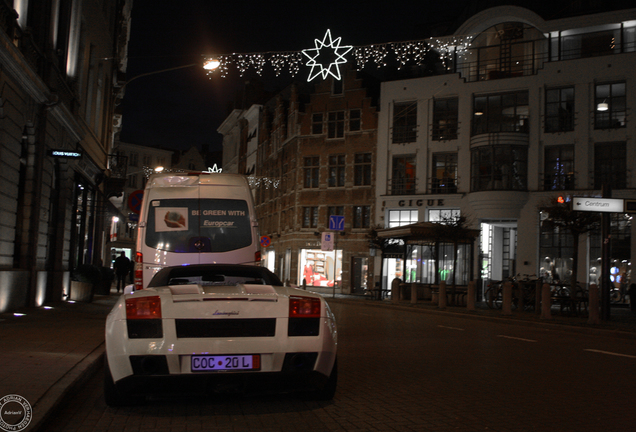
(198, 225)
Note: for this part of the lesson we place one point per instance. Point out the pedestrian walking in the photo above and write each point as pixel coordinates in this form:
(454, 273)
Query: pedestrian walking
(122, 267)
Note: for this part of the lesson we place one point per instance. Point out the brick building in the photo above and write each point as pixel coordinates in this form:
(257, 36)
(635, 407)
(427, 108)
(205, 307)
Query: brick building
(316, 158)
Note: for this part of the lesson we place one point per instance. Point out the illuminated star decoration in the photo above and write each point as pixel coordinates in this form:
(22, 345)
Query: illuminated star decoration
(334, 52)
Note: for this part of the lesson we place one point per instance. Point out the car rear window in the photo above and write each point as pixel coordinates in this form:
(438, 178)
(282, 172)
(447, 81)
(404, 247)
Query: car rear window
(198, 225)
(214, 275)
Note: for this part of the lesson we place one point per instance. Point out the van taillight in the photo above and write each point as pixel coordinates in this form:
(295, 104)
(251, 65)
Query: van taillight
(143, 308)
(304, 307)
(257, 257)
(139, 271)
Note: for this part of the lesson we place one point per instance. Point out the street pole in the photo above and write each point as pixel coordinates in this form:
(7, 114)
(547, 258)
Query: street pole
(335, 259)
(605, 259)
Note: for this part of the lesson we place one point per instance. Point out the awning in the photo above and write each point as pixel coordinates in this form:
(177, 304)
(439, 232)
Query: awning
(430, 232)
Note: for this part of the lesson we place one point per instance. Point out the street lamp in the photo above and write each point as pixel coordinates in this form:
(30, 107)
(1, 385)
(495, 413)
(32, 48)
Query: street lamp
(211, 64)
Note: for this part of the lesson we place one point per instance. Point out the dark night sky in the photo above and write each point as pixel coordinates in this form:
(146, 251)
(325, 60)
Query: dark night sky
(184, 107)
(181, 108)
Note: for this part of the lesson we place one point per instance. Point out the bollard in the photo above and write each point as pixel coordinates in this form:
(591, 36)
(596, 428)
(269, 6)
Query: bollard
(395, 290)
(442, 295)
(546, 302)
(413, 293)
(594, 315)
(470, 296)
(506, 308)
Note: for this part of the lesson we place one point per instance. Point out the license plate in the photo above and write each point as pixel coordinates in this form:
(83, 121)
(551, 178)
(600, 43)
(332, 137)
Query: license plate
(207, 363)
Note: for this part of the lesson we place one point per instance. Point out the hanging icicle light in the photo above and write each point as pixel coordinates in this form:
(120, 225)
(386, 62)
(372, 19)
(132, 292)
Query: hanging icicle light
(449, 49)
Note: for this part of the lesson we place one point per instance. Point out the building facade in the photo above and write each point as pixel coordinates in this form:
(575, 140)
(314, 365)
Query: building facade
(140, 162)
(315, 159)
(61, 63)
(529, 110)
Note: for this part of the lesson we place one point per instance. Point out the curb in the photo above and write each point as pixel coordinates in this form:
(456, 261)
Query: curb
(545, 324)
(50, 402)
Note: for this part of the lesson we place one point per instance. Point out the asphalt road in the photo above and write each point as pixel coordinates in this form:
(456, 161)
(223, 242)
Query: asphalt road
(411, 371)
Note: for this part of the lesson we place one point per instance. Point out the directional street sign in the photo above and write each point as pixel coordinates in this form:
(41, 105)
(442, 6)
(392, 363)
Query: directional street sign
(336, 223)
(606, 205)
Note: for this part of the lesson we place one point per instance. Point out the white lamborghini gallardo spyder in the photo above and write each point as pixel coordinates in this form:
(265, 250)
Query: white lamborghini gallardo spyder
(215, 327)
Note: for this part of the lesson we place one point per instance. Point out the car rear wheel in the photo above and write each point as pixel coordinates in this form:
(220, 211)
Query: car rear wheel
(328, 390)
(112, 395)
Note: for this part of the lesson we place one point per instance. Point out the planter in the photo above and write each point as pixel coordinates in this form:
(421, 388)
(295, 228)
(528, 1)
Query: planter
(81, 291)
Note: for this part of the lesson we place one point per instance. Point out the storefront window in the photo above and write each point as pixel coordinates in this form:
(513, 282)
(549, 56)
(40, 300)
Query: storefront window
(420, 265)
(317, 267)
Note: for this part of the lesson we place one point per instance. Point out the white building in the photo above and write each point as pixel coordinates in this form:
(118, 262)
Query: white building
(529, 110)
(240, 140)
(140, 162)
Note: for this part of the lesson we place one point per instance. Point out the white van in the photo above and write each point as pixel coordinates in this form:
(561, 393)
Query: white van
(195, 218)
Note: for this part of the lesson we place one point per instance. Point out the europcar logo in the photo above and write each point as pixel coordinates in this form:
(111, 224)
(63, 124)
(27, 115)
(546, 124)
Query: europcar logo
(15, 413)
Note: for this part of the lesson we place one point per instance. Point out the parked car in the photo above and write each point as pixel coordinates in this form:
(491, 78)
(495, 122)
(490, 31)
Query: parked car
(214, 327)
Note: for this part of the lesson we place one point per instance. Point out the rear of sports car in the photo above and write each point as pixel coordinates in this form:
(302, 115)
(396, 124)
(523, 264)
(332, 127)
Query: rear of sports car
(214, 338)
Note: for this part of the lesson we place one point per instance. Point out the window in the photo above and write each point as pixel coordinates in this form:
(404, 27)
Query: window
(506, 112)
(132, 181)
(559, 109)
(610, 165)
(559, 168)
(403, 179)
(334, 211)
(312, 171)
(336, 171)
(444, 173)
(443, 215)
(310, 217)
(402, 217)
(354, 120)
(499, 168)
(134, 159)
(147, 160)
(609, 106)
(445, 119)
(361, 216)
(316, 124)
(404, 122)
(335, 124)
(362, 169)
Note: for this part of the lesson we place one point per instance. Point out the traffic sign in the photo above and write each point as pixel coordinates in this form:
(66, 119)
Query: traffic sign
(265, 241)
(134, 201)
(605, 205)
(336, 223)
(327, 242)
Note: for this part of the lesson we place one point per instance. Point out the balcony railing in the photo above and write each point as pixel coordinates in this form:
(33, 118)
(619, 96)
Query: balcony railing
(402, 186)
(527, 57)
(443, 186)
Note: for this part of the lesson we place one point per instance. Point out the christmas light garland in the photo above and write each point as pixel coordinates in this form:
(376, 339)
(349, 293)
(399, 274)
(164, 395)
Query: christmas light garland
(448, 48)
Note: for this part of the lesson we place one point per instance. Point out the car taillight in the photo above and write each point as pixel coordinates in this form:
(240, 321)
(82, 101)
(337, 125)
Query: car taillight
(139, 271)
(304, 307)
(143, 308)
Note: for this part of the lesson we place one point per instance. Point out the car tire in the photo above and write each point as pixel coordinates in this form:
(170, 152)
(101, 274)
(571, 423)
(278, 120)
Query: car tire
(328, 390)
(113, 396)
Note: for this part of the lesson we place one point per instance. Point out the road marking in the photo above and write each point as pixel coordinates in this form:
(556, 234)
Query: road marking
(611, 353)
(516, 338)
(452, 328)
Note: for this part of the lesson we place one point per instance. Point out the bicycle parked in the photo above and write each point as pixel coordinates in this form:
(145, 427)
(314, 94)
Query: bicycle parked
(523, 292)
